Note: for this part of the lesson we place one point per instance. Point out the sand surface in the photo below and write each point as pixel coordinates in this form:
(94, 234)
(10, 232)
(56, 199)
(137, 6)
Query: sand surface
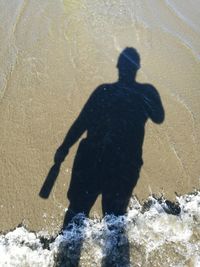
(53, 54)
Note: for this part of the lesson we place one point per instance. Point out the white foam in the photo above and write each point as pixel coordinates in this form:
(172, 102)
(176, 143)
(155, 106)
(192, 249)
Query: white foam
(149, 232)
(22, 248)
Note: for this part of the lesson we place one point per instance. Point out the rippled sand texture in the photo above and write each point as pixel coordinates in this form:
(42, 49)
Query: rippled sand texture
(53, 54)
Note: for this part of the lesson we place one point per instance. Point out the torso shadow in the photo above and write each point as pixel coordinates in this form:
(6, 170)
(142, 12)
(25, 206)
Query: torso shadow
(109, 159)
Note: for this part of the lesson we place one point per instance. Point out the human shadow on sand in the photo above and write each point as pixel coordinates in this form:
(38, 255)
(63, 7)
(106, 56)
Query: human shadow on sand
(108, 161)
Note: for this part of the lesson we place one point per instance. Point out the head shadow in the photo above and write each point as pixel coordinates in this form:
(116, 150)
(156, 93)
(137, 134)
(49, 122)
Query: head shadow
(128, 64)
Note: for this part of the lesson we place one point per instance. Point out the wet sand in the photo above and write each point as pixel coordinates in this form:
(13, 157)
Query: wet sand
(53, 56)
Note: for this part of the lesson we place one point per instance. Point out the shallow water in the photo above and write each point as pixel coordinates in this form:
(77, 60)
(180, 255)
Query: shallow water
(152, 236)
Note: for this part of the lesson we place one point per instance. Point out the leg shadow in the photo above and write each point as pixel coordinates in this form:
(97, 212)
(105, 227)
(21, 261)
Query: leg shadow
(116, 246)
(69, 250)
(117, 191)
(73, 232)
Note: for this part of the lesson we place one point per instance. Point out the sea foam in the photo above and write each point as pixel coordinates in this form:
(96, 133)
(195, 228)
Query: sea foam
(158, 233)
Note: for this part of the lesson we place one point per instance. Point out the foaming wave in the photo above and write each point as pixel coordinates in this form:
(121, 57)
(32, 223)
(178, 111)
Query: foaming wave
(158, 233)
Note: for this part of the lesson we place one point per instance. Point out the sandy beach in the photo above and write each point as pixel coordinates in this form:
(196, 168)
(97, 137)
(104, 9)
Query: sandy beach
(53, 56)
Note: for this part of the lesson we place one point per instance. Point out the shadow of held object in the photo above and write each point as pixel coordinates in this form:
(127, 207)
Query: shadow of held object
(49, 181)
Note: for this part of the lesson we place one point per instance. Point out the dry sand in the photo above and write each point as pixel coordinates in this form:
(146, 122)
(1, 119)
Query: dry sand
(53, 55)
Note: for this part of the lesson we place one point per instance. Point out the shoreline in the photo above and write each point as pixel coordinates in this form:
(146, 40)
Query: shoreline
(145, 231)
(168, 206)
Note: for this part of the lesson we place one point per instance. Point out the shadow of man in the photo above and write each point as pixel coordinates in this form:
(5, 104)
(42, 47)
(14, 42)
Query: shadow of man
(109, 159)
